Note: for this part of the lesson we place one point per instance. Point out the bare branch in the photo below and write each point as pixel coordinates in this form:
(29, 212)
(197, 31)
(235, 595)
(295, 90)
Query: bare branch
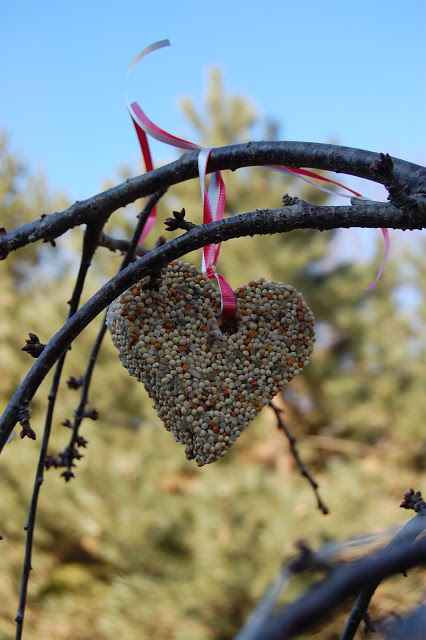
(90, 242)
(401, 554)
(295, 453)
(267, 221)
(405, 181)
(406, 535)
(66, 458)
(117, 244)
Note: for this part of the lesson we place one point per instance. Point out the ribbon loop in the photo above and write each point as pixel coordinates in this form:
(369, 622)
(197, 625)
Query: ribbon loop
(214, 197)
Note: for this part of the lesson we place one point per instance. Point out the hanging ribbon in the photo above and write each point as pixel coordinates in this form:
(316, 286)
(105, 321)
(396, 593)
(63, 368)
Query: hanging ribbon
(213, 209)
(300, 173)
(146, 153)
(385, 233)
(214, 198)
(304, 172)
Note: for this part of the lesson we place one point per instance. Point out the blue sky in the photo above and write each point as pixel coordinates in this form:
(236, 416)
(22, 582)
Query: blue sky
(350, 71)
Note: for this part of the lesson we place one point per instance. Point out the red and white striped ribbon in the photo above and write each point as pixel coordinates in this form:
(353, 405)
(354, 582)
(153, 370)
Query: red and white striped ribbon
(214, 197)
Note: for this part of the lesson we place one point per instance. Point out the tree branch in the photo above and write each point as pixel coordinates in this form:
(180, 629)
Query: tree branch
(406, 183)
(268, 221)
(296, 455)
(68, 455)
(407, 535)
(118, 244)
(90, 243)
(401, 554)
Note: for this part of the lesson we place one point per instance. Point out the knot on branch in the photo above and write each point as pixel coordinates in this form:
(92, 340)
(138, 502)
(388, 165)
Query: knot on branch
(160, 241)
(67, 474)
(75, 383)
(51, 240)
(27, 431)
(33, 347)
(66, 457)
(399, 194)
(93, 414)
(51, 461)
(178, 222)
(384, 166)
(288, 201)
(413, 500)
(81, 442)
(307, 560)
(24, 421)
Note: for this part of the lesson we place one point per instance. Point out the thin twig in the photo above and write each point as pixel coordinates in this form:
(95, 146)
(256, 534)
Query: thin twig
(79, 414)
(117, 244)
(90, 242)
(301, 465)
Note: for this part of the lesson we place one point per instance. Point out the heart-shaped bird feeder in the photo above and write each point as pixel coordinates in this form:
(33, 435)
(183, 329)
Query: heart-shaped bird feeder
(208, 381)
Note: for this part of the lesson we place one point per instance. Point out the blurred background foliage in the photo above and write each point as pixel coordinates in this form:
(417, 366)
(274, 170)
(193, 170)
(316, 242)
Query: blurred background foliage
(143, 544)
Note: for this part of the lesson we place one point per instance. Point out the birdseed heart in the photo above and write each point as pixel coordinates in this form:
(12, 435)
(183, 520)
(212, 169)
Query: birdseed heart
(208, 381)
